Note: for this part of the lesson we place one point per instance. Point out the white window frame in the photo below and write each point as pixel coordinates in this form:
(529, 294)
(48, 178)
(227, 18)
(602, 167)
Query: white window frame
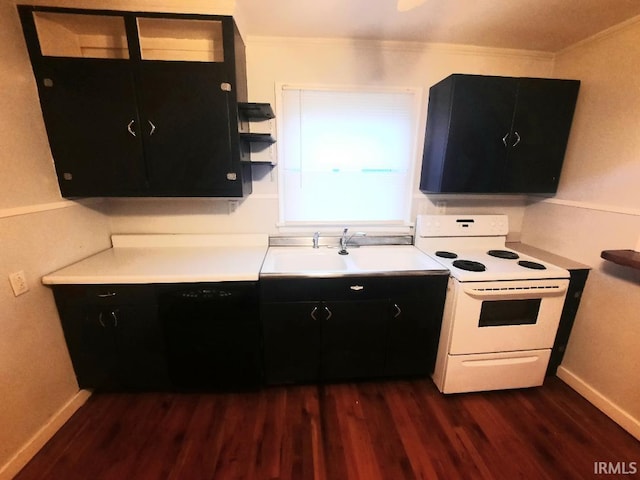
(403, 225)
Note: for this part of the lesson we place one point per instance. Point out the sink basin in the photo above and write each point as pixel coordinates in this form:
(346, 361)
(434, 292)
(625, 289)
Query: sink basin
(326, 262)
(314, 261)
(389, 259)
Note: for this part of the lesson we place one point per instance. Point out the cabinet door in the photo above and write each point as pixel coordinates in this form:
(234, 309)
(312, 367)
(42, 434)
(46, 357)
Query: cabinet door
(291, 332)
(414, 326)
(90, 333)
(188, 136)
(479, 116)
(353, 339)
(541, 128)
(91, 119)
(113, 335)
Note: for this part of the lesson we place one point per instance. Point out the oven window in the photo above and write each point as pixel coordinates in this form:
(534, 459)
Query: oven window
(499, 313)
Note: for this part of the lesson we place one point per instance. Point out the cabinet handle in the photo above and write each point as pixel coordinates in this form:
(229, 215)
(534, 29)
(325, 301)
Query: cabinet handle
(329, 314)
(153, 127)
(114, 315)
(504, 139)
(517, 139)
(398, 311)
(106, 295)
(356, 288)
(130, 129)
(313, 313)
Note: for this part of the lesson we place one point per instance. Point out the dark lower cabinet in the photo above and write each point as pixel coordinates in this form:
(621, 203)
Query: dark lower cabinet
(231, 336)
(353, 339)
(350, 327)
(291, 336)
(413, 330)
(184, 337)
(577, 282)
(113, 336)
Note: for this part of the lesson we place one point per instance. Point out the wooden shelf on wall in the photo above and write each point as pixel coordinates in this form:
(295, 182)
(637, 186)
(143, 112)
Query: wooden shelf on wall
(628, 258)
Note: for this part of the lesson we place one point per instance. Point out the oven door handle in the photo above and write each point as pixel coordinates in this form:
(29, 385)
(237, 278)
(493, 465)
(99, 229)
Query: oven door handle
(517, 292)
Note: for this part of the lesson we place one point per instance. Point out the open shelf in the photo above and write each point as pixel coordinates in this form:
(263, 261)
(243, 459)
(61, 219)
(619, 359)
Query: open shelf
(176, 39)
(628, 258)
(256, 111)
(258, 137)
(81, 35)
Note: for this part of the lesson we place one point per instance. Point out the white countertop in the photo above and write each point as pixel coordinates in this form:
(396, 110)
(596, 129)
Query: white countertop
(169, 259)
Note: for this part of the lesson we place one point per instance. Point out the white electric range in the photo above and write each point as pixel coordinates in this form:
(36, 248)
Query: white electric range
(502, 308)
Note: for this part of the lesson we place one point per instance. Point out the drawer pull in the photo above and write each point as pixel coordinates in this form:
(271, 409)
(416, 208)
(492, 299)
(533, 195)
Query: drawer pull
(356, 288)
(107, 294)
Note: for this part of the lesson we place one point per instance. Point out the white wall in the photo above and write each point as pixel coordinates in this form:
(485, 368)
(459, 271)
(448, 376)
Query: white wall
(39, 232)
(334, 62)
(598, 208)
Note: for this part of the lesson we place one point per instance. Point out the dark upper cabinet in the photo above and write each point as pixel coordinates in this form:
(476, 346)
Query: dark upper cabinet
(140, 104)
(81, 102)
(490, 134)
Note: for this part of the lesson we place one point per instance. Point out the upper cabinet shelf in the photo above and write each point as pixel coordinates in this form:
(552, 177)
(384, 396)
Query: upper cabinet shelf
(259, 141)
(255, 112)
(104, 35)
(81, 35)
(178, 39)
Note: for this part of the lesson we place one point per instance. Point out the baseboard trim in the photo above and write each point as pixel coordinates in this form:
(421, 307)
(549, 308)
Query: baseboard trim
(613, 411)
(28, 451)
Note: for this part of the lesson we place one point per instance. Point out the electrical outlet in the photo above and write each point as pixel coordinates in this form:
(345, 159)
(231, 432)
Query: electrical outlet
(18, 283)
(233, 205)
(441, 207)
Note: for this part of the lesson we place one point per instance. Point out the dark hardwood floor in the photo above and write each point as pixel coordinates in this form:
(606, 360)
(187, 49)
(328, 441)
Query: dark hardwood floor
(392, 430)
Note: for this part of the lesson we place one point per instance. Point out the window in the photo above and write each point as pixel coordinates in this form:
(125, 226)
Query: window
(346, 156)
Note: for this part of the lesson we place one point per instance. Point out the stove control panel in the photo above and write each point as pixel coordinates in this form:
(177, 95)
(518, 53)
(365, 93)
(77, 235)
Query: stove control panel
(462, 225)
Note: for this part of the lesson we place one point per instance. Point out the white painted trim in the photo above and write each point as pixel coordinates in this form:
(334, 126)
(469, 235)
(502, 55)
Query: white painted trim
(594, 206)
(613, 411)
(43, 207)
(48, 430)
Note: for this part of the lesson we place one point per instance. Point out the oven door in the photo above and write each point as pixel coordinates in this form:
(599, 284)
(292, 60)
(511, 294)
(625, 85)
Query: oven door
(506, 316)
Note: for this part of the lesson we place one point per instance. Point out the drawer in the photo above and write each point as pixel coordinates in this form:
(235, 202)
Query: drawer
(493, 371)
(104, 294)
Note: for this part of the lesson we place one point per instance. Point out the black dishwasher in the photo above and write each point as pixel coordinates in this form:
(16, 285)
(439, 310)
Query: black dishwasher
(212, 335)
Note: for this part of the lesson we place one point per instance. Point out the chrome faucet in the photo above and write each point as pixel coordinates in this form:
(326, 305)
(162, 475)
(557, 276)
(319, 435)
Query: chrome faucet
(344, 240)
(316, 237)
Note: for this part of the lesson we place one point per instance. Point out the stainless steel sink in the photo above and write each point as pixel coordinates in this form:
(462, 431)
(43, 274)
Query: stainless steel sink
(309, 260)
(326, 262)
